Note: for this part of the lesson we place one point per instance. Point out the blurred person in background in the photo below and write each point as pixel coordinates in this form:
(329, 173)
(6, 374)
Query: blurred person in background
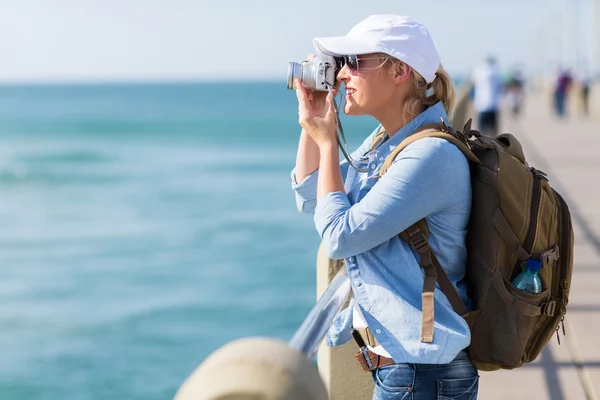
(562, 86)
(515, 92)
(584, 92)
(487, 93)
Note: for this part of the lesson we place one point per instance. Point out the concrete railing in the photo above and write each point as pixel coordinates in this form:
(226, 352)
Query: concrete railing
(312, 331)
(463, 107)
(343, 377)
(254, 368)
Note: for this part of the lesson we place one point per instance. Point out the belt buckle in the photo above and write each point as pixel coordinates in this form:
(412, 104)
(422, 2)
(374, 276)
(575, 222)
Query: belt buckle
(362, 360)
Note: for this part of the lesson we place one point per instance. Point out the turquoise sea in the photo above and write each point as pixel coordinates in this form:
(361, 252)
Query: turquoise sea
(142, 227)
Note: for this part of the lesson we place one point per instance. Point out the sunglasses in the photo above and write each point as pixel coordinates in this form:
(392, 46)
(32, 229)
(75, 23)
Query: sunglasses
(354, 62)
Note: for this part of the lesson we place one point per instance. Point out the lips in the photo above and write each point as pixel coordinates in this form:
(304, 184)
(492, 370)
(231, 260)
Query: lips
(350, 91)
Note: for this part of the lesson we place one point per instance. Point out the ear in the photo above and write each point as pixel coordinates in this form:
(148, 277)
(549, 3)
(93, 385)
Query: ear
(402, 72)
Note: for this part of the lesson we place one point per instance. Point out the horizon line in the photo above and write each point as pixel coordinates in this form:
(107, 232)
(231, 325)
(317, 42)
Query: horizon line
(129, 81)
(138, 81)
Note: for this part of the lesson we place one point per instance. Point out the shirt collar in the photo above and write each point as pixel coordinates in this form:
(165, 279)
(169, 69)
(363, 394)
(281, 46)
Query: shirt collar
(432, 114)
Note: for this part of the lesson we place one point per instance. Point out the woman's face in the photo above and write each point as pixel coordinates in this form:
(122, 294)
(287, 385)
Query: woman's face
(368, 83)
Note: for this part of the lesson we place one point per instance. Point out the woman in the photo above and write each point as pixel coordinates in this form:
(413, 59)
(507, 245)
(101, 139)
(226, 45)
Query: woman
(392, 72)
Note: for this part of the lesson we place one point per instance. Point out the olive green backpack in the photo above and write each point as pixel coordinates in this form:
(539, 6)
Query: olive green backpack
(515, 215)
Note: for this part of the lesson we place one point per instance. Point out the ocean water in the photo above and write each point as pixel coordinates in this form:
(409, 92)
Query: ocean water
(142, 227)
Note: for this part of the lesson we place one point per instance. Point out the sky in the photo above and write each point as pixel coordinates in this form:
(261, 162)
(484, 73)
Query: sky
(180, 40)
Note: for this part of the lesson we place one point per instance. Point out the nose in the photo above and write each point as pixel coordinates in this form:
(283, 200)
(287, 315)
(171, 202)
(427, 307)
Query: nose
(344, 74)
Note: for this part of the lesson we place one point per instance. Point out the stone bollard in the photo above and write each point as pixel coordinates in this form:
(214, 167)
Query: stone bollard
(252, 369)
(340, 371)
(463, 108)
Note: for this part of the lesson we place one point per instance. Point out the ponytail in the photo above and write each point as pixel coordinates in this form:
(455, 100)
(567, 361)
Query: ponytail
(425, 95)
(443, 89)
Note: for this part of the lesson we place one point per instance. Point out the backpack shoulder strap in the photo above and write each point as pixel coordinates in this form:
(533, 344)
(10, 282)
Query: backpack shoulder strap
(377, 138)
(416, 236)
(429, 132)
(427, 127)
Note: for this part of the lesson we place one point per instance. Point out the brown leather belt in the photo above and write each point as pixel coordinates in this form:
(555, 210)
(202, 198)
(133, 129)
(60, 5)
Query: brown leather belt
(375, 360)
(368, 360)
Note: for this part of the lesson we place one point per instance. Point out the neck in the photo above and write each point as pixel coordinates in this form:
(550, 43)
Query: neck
(391, 119)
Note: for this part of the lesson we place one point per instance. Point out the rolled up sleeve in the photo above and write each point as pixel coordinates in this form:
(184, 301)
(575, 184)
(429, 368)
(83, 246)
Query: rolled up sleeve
(306, 192)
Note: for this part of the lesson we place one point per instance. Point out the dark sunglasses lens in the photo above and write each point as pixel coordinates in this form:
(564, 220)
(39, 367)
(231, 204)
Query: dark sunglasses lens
(351, 62)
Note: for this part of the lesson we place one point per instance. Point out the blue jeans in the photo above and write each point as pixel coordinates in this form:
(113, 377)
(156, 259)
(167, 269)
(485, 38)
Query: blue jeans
(457, 380)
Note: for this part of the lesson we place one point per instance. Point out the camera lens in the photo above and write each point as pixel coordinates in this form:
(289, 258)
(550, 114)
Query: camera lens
(294, 71)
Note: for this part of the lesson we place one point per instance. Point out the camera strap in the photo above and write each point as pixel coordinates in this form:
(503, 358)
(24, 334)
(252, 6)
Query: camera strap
(342, 143)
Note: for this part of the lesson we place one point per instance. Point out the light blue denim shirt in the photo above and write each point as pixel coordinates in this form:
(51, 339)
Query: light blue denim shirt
(431, 179)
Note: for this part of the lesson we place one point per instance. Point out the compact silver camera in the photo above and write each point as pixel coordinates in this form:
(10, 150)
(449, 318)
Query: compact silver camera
(317, 74)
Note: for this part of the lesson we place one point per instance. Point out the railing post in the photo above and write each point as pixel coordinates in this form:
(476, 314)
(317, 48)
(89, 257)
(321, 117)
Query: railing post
(339, 369)
(463, 108)
(254, 368)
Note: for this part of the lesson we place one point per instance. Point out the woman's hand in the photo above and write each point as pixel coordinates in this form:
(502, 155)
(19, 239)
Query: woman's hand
(316, 113)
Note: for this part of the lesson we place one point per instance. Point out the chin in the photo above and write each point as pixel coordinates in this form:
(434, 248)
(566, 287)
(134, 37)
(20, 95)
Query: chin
(352, 109)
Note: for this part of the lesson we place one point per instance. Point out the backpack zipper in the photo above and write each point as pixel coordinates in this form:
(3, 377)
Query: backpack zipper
(562, 284)
(535, 205)
(536, 198)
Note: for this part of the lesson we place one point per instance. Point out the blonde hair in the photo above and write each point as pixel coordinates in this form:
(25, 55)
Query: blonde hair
(425, 95)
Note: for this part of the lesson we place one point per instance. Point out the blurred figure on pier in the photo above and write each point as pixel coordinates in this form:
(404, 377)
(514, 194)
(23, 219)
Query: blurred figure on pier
(515, 92)
(584, 93)
(488, 88)
(561, 91)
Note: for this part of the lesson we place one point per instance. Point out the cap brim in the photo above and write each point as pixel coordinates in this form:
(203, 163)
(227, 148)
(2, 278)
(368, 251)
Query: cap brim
(342, 46)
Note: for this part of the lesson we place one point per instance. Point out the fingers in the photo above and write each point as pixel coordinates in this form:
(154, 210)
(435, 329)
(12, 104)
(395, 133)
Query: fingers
(308, 58)
(300, 91)
(303, 104)
(330, 114)
(330, 105)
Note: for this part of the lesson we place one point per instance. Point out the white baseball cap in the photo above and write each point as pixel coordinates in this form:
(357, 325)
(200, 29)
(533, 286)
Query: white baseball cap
(395, 35)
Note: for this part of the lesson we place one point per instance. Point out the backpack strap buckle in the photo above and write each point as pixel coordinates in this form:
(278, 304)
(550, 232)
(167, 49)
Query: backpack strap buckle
(549, 308)
(420, 243)
(463, 135)
(418, 239)
(553, 254)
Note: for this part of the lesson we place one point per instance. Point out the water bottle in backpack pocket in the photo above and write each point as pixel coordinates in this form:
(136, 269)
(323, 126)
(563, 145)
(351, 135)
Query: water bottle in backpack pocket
(529, 280)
